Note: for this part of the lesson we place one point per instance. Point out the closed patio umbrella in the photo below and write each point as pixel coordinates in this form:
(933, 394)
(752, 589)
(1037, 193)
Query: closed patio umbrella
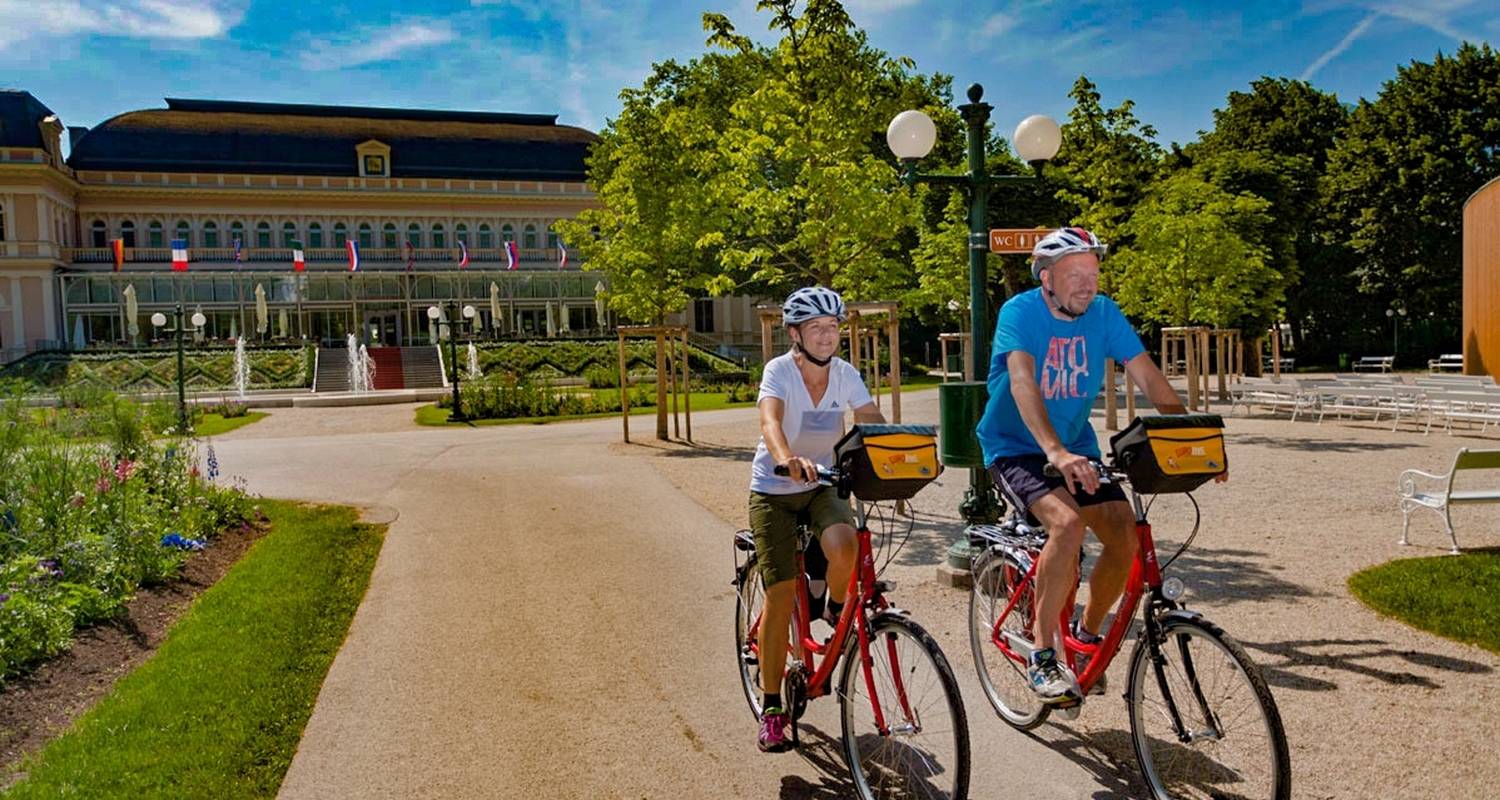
(78, 341)
(234, 328)
(283, 323)
(132, 311)
(197, 332)
(494, 307)
(562, 313)
(551, 321)
(262, 314)
(599, 305)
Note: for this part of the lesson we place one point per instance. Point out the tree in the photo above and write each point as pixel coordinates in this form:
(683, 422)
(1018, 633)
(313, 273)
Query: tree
(1398, 180)
(1194, 259)
(756, 168)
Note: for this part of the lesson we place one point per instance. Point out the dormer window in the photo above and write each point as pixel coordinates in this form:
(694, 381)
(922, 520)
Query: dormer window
(374, 158)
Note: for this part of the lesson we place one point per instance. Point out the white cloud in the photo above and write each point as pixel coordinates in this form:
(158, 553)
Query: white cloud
(863, 8)
(372, 44)
(996, 25)
(144, 19)
(1334, 52)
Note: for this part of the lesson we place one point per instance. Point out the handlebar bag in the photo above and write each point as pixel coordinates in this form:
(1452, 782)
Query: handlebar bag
(888, 462)
(1171, 452)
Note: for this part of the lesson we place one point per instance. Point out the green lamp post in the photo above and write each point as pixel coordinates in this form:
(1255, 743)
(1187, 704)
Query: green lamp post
(454, 326)
(911, 136)
(159, 321)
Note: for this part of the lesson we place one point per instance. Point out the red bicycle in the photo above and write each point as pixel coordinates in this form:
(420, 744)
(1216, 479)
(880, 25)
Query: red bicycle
(1202, 720)
(905, 733)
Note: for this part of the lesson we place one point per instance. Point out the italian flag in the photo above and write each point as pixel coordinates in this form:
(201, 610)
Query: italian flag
(179, 255)
(298, 262)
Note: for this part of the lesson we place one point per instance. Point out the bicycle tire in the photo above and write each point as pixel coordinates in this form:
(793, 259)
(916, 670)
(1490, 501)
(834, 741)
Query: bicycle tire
(1004, 682)
(1205, 668)
(927, 759)
(749, 602)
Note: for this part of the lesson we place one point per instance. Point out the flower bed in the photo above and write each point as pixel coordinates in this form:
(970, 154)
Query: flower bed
(156, 369)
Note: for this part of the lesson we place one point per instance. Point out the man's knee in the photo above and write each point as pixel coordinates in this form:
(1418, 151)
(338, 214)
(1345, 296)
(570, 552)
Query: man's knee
(1114, 524)
(838, 540)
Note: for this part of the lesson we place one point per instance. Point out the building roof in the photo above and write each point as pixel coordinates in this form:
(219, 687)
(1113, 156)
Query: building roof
(216, 136)
(20, 115)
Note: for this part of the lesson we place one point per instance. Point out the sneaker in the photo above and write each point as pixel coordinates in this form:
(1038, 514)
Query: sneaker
(773, 725)
(1051, 681)
(830, 616)
(1082, 660)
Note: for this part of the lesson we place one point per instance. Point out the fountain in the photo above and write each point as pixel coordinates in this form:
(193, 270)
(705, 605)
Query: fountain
(241, 368)
(361, 366)
(474, 372)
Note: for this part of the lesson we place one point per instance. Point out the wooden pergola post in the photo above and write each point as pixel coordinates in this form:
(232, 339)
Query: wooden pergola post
(669, 339)
(1276, 351)
(893, 334)
(624, 391)
(1111, 409)
(687, 386)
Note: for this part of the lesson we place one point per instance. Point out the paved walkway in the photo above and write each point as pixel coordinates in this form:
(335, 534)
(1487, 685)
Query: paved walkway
(550, 618)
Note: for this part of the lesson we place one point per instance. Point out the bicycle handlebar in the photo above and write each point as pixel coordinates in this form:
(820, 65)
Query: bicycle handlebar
(1107, 472)
(826, 476)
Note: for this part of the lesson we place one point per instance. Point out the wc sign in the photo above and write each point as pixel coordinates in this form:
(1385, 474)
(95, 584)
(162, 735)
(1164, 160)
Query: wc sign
(1015, 240)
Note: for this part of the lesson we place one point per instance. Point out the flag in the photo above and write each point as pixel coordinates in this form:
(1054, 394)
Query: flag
(463, 255)
(239, 257)
(510, 254)
(562, 257)
(118, 247)
(353, 255)
(411, 257)
(213, 463)
(299, 263)
(179, 255)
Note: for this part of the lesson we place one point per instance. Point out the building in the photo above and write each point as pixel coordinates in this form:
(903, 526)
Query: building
(242, 183)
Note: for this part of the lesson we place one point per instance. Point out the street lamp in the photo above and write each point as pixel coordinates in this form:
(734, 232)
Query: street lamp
(1394, 314)
(435, 314)
(911, 136)
(159, 321)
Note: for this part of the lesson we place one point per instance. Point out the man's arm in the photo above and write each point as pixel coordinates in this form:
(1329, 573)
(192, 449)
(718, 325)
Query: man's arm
(1075, 469)
(1149, 377)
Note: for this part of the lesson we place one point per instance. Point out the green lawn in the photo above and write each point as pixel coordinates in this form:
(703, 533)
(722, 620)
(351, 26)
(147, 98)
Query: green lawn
(215, 424)
(1453, 596)
(218, 710)
(702, 401)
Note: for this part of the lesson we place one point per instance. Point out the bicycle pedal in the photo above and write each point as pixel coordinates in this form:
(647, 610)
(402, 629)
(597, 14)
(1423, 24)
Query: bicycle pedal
(884, 586)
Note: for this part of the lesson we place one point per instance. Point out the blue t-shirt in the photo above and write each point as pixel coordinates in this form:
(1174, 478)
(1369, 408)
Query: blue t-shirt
(1069, 357)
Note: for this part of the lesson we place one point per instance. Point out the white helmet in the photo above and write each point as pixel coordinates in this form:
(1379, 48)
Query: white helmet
(811, 302)
(1062, 242)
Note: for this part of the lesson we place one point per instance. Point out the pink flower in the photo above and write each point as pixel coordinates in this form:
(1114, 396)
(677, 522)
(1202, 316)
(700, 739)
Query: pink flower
(77, 500)
(124, 469)
(103, 485)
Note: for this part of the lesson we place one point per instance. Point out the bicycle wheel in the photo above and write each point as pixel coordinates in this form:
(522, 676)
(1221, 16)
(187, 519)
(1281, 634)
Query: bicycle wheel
(1003, 679)
(1233, 745)
(750, 600)
(925, 750)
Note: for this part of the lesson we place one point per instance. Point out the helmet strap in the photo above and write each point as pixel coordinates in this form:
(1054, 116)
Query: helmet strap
(822, 362)
(1057, 304)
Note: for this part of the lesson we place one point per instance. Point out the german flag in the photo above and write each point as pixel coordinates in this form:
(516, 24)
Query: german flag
(118, 248)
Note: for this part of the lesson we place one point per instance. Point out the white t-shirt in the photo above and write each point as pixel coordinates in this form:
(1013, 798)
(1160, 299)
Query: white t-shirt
(810, 430)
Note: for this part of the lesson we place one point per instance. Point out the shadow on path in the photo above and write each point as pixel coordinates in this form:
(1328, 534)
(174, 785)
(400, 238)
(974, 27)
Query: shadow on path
(1352, 656)
(1319, 445)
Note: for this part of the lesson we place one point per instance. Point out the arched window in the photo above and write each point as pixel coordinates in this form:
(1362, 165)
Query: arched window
(340, 234)
(184, 232)
(507, 233)
(461, 233)
(414, 235)
(98, 234)
(263, 234)
(210, 234)
(127, 232)
(530, 241)
(551, 238)
(389, 239)
(314, 235)
(288, 233)
(153, 234)
(486, 237)
(366, 235)
(237, 233)
(439, 237)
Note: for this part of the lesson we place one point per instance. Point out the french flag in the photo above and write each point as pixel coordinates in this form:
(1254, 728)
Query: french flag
(562, 259)
(353, 255)
(510, 255)
(463, 260)
(179, 255)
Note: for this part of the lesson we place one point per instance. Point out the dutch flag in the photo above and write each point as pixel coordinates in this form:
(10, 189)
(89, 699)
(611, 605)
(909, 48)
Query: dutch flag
(179, 255)
(353, 255)
(510, 255)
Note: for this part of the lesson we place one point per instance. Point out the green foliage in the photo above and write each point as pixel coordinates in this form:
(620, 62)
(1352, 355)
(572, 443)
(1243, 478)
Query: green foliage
(1195, 260)
(507, 396)
(219, 709)
(754, 167)
(82, 519)
(1453, 596)
(1107, 161)
(156, 370)
(598, 363)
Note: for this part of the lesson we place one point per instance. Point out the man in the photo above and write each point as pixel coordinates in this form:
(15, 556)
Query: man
(803, 397)
(1046, 369)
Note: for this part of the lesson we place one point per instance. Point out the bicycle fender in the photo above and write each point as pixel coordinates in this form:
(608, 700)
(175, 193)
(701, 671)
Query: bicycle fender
(890, 612)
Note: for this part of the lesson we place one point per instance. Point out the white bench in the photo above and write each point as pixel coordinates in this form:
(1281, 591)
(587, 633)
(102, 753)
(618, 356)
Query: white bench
(1439, 495)
(1381, 363)
(1374, 400)
(1453, 361)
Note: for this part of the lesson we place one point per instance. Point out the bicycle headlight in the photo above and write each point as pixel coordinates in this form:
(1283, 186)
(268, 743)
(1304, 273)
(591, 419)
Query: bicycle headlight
(1173, 588)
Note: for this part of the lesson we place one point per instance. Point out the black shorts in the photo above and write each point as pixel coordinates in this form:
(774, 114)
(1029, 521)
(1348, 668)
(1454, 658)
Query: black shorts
(1021, 480)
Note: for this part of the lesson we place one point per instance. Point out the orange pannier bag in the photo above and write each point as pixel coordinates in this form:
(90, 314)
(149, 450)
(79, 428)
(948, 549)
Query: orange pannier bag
(1171, 453)
(888, 462)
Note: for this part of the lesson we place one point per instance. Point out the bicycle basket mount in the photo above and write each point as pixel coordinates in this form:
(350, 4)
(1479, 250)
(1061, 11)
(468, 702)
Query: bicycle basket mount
(888, 462)
(1171, 452)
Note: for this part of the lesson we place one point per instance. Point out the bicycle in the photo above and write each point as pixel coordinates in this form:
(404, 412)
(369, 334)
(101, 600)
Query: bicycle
(1202, 719)
(904, 729)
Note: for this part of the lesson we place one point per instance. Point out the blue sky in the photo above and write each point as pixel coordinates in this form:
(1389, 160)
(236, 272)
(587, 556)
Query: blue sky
(91, 59)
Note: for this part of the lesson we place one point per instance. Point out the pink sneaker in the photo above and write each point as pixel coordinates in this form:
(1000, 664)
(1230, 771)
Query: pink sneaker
(772, 737)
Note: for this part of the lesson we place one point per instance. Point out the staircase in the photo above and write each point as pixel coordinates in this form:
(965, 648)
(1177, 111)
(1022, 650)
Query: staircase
(388, 368)
(421, 367)
(333, 370)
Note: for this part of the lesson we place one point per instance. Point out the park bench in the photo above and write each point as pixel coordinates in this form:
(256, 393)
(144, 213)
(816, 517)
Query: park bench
(1379, 363)
(1448, 361)
(1353, 399)
(1290, 394)
(1439, 493)
(1463, 404)
(1267, 363)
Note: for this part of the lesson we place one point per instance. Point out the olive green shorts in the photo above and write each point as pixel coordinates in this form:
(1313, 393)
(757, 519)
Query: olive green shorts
(773, 518)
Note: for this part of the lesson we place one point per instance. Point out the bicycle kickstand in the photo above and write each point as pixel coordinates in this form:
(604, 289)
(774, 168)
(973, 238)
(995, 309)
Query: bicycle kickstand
(796, 740)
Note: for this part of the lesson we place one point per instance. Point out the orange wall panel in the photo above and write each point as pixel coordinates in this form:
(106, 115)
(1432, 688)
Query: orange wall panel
(1481, 326)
